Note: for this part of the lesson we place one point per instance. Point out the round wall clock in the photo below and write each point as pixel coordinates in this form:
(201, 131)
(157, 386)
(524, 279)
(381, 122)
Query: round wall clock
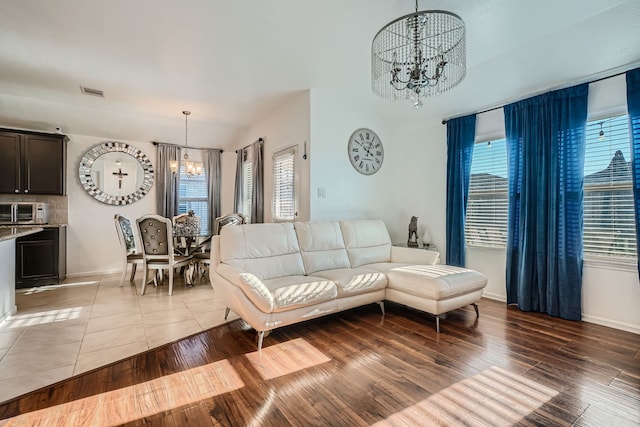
(365, 151)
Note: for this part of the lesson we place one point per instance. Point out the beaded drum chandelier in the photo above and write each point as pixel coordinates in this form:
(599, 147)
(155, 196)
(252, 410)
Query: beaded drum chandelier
(418, 55)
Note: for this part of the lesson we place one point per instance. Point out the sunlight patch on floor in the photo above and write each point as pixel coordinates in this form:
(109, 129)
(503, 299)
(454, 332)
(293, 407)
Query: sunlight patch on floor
(286, 358)
(138, 401)
(494, 397)
(43, 317)
(41, 289)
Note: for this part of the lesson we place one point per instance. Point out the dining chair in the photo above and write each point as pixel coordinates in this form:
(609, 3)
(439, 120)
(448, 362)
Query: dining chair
(185, 228)
(204, 257)
(179, 218)
(178, 222)
(130, 253)
(230, 219)
(156, 235)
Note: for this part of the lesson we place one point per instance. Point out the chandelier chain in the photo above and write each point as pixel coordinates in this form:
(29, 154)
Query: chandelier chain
(191, 168)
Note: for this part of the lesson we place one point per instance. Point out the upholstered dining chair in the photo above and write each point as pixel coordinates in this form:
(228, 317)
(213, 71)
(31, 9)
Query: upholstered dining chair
(179, 218)
(130, 253)
(231, 219)
(156, 236)
(204, 257)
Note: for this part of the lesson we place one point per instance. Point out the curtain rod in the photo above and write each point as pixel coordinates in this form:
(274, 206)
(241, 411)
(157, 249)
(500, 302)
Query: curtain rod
(444, 121)
(195, 148)
(245, 147)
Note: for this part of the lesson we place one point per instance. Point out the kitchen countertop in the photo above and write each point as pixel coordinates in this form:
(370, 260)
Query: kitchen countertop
(4, 226)
(8, 233)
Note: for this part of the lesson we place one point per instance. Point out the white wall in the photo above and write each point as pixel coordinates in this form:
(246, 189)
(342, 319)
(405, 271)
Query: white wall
(287, 125)
(228, 177)
(411, 181)
(417, 182)
(491, 262)
(610, 293)
(7, 278)
(348, 194)
(92, 242)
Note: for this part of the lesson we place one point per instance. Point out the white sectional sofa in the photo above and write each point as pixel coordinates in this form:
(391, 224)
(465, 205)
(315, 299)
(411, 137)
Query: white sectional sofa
(276, 274)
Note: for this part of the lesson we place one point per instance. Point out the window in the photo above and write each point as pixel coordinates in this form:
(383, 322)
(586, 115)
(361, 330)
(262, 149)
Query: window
(193, 195)
(284, 188)
(487, 204)
(609, 225)
(247, 185)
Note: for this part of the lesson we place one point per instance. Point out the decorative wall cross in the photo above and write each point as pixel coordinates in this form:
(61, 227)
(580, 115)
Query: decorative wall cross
(120, 175)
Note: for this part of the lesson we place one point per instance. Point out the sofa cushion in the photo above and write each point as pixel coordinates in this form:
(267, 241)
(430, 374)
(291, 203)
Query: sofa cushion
(352, 281)
(299, 291)
(366, 241)
(265, 250)
(321, 245)
(279, 294)
(435, 282)
(386, 267)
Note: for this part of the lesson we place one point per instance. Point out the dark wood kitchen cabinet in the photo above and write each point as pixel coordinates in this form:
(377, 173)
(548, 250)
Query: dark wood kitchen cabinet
(41, 258)
(32, 162)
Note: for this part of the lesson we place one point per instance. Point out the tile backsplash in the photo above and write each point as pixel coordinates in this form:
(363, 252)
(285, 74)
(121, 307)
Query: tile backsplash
(58, 205)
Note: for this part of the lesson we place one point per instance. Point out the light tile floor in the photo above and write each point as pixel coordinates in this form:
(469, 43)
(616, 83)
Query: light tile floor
(88, 322)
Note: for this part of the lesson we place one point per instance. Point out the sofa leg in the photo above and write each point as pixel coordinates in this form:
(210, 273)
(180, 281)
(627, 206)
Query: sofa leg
(438, 324)
(226, 313)
(260, 338)
(475, 306)
(381, 304)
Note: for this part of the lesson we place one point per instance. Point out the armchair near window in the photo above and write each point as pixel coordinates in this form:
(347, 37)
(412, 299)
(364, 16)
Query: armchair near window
(156, 235)
(130, 253)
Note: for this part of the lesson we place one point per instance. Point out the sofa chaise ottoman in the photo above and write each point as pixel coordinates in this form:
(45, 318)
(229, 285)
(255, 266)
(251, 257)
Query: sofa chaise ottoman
(277, 274)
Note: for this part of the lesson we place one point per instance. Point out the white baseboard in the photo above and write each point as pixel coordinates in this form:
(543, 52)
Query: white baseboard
(611, 323)
(496, 297)
(94, 273)
(585, 317)
(8, 314)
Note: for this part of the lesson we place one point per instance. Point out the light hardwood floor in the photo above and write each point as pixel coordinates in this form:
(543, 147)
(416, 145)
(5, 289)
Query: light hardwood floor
(359, 368)
(87, 322)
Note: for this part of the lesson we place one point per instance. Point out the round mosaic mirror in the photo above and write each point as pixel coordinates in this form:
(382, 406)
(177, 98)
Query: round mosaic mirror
(116, 173)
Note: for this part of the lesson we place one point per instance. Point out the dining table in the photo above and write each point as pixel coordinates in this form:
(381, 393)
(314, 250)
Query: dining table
(186, 242)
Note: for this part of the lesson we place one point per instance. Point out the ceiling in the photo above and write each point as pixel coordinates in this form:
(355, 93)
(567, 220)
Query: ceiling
(230, 61)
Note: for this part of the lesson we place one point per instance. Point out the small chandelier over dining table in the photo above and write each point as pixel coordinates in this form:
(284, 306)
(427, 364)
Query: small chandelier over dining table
(188, 167)
(418, 55)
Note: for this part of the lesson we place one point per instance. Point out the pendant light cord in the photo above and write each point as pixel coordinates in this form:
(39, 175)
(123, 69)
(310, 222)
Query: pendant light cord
(186, 127)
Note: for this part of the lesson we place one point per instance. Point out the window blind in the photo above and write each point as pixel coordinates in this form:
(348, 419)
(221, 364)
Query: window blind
(247, 188)
(487, 204)
(193, 195)
(284, 190)
(609, 224)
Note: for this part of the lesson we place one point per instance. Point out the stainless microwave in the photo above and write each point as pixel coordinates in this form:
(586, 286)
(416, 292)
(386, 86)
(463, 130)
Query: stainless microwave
(24, 213)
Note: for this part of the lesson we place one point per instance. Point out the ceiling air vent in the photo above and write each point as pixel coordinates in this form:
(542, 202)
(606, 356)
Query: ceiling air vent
(93, 92)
